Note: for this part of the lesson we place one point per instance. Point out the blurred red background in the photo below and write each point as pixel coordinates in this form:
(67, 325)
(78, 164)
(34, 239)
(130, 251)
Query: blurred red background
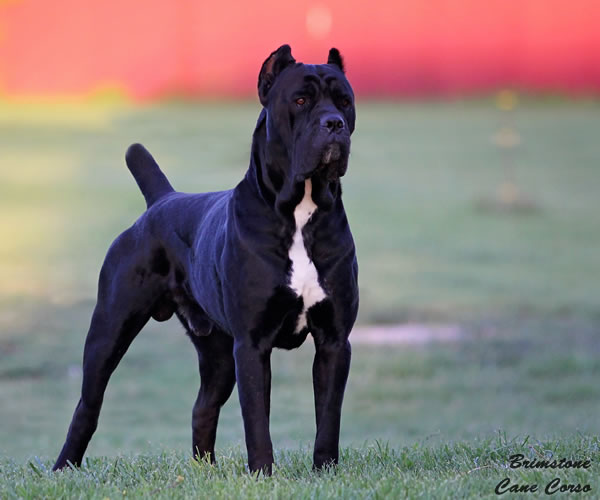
(435, 47)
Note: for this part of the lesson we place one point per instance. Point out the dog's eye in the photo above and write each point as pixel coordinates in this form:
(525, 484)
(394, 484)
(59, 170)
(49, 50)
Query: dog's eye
(300, 101)
(346, 102)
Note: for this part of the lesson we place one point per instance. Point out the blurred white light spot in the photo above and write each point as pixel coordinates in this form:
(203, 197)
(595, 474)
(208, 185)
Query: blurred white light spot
(318, 21)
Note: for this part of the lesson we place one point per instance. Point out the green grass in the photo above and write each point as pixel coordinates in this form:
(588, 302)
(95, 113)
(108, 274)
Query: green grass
(465, 470)
(522, 284)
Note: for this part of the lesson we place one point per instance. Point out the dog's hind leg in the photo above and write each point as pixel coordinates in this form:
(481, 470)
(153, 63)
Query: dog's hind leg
(217, 374)
(125, 299)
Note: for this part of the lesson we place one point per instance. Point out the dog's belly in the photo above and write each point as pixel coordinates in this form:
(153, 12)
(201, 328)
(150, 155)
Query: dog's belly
(304, 278)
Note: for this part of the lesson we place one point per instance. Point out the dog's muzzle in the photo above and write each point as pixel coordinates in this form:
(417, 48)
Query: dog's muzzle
(334, 162)
(331, 154)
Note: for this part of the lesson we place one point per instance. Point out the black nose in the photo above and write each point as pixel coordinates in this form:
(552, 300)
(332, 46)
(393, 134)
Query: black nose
(333, 123)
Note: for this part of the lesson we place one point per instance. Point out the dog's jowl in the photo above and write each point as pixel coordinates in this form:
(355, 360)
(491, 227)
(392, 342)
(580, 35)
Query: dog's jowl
(245, 270)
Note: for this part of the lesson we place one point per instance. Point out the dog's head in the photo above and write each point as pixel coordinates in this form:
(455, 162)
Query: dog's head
(310, 116)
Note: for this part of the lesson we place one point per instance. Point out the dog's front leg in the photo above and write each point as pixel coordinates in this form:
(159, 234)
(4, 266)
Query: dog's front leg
(253, 375)
(330, 373)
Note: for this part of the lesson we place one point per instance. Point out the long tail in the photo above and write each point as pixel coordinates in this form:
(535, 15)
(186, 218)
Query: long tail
(148, 175)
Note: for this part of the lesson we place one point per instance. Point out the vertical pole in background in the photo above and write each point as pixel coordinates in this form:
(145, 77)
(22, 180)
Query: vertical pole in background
(508, 196)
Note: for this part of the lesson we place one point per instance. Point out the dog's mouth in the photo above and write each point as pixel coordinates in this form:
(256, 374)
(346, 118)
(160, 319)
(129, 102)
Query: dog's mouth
(332, 153)
(333, 162)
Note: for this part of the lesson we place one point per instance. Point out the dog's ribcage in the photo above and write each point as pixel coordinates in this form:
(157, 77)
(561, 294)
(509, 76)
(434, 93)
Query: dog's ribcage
(304, 279)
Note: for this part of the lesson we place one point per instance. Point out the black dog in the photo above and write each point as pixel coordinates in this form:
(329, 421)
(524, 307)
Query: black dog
(245, 270)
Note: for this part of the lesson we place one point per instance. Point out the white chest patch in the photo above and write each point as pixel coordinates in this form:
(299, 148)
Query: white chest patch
(304, 280)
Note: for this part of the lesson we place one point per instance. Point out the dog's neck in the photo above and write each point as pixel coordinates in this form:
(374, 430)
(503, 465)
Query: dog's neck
(270, 178)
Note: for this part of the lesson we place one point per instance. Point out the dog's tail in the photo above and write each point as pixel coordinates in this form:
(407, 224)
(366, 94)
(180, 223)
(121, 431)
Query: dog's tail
(148, 175)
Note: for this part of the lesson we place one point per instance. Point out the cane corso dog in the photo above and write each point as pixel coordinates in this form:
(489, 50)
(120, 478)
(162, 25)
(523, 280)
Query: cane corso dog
(245, 270)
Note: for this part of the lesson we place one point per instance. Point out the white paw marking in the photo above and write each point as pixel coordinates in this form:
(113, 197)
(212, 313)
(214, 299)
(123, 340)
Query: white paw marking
(304, 280)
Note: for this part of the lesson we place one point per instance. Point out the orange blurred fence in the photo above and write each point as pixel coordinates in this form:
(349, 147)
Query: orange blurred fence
(152, 48)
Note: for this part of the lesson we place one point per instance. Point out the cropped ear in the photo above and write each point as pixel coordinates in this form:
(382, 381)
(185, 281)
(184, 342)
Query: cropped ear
(273, 65)
(335, 58)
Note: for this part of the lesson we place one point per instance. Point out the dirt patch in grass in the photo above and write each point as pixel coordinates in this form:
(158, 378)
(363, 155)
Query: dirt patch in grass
(408, 333)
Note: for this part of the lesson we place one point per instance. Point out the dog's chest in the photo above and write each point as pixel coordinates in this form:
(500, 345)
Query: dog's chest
(304, 279)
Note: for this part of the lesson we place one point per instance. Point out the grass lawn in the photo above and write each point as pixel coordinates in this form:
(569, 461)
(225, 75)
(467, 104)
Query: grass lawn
(520, 280)
(461, 470)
